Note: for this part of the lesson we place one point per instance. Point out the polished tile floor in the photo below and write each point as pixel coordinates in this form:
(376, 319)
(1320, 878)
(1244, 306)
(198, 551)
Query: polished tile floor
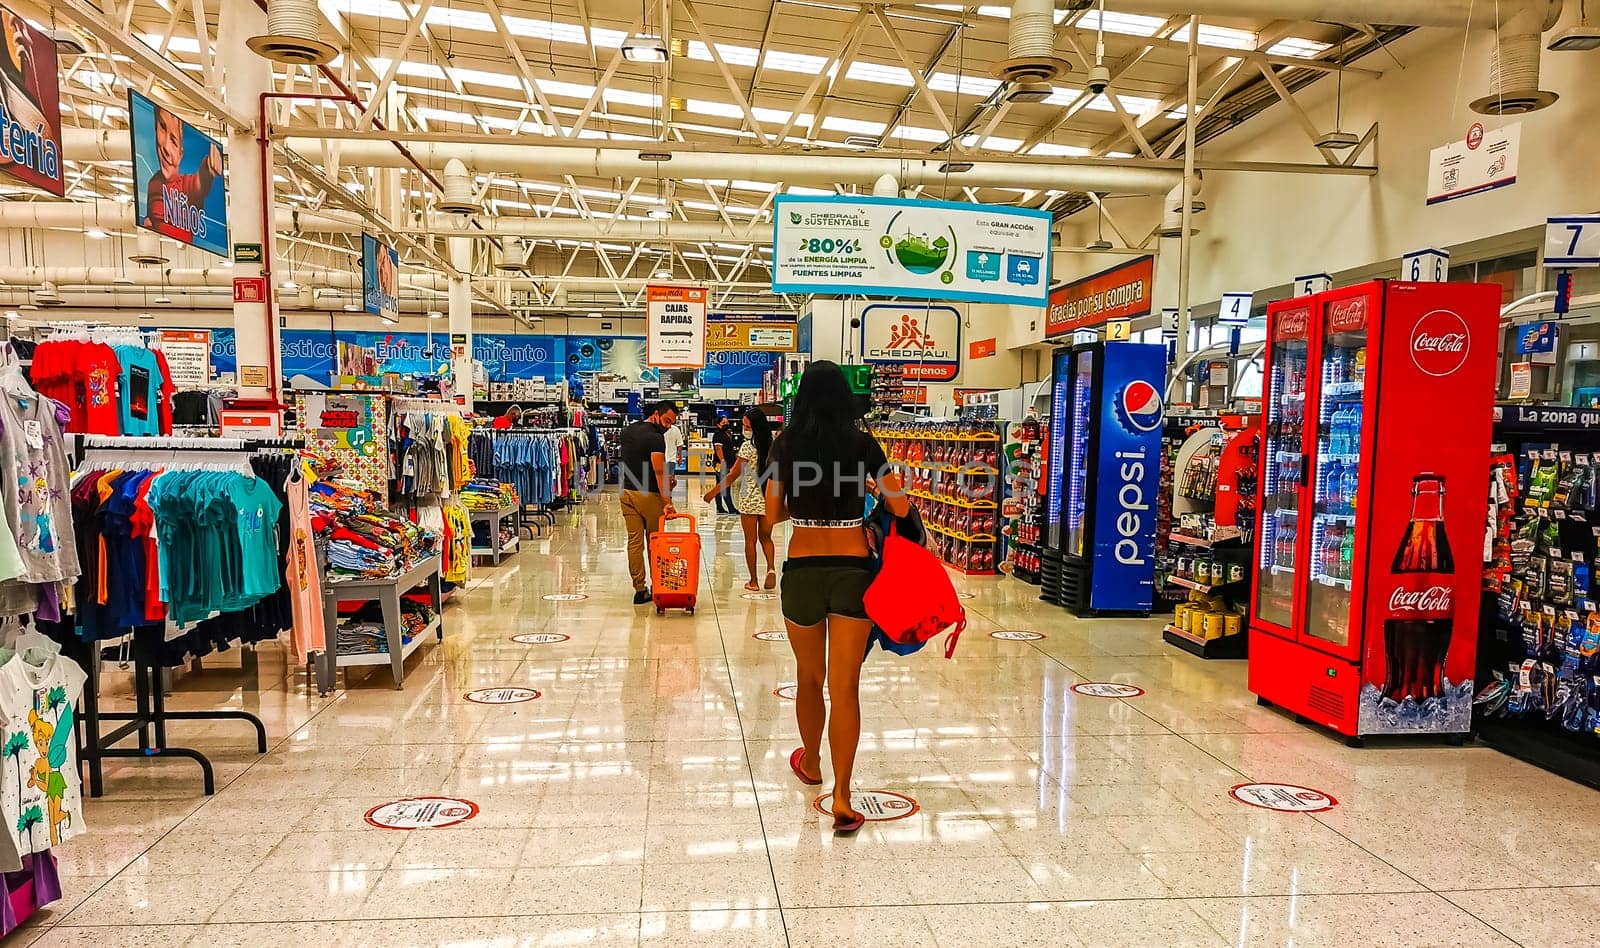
(645, 797)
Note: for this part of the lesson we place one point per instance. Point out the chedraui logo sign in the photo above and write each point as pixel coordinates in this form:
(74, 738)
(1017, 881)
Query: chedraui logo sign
(924, 339)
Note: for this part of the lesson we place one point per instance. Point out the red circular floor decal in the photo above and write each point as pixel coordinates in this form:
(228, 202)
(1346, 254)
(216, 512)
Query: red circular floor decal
(878, 806)
(565, 597)
(786, 692)
(759, 597)
(778, 635)
(1016, 635)
(540, 638)
(1107, 689)
(502, 695)
(1283, 797)
(421, 813)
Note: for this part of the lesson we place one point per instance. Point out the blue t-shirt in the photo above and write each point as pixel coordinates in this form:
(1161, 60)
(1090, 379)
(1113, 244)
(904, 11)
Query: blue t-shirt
(139, 391)
(258, 509)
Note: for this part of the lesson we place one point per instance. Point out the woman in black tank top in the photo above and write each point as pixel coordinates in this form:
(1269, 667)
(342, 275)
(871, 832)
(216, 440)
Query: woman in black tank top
(823, 467)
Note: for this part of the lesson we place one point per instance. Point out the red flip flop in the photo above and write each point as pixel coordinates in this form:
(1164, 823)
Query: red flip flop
(794, 765)
(844, 827)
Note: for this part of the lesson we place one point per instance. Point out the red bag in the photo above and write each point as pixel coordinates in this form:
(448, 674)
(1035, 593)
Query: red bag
(912, 599)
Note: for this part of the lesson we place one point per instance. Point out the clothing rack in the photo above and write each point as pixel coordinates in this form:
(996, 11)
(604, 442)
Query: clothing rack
(150, 715)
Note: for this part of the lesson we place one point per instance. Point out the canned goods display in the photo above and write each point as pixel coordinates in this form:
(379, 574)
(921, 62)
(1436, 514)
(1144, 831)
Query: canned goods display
(1214, 625)
(1235, 572)
(1233, 624)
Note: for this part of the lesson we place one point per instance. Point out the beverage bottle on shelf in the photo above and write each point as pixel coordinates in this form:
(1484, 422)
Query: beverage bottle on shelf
(1358, 366)
(1353, 429)
(1328, 481)
(1421, 620)
(1350, 486)
(1347, 551)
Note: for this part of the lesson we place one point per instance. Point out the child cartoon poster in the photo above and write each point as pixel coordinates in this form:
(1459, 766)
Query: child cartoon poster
(380, 277)
(179, 190)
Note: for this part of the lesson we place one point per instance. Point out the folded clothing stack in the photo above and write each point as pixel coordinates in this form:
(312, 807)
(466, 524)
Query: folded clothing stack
(376, 545)
(488, 495)
(365, 638)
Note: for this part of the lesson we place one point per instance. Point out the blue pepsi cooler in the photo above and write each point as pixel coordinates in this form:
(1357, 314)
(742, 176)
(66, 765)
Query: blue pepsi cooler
(1105, 468)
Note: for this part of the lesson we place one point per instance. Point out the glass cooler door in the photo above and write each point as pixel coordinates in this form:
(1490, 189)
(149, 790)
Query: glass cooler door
(1282, 458)
(1078, 455)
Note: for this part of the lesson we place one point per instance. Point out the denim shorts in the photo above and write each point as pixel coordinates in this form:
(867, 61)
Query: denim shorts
(815, 587)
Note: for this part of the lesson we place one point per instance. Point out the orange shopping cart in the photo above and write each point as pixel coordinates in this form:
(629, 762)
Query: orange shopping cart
(675, 565)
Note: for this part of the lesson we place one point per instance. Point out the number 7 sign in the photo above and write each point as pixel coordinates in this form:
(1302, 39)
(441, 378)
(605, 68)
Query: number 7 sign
(1572, 241)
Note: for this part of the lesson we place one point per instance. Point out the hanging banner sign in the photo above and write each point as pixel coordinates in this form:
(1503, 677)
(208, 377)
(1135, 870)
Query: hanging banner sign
(1121, 292)
(1521, 380)
(981, 348)
(380, 278)
(178, 187)
(925, 339)
(935, 250)
(727, 335)
(1483, 161)
(1536, 337)
(30, 106)
(188, 353)
(675, 327)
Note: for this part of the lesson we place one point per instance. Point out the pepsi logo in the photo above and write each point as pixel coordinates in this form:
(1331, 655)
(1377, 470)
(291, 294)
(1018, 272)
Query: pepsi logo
(1139, 406)
(1440, 343)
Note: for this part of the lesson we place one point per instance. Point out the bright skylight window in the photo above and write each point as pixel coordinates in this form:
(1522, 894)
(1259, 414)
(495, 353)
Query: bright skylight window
(916, 133)
(875, 72)
(834, 123)
(1128, 24)
(965, 85)
(1219, 36)
(1296, 46)
(1051, 148)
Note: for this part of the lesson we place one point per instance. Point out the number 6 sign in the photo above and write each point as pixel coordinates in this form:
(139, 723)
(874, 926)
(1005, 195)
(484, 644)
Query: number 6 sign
(1425, 266)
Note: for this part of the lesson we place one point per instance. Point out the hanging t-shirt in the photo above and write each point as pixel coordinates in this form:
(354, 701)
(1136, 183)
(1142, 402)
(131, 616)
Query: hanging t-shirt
(35, 486)
(302, 575)
(139, 394)
(41, 794)
(258, 509)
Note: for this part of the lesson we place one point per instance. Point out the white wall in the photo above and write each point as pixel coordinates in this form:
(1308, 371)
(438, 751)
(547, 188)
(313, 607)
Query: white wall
(1262, 230)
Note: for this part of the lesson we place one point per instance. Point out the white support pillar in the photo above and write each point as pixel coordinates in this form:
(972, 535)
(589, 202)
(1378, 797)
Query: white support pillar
(461, 317)
(250, 187)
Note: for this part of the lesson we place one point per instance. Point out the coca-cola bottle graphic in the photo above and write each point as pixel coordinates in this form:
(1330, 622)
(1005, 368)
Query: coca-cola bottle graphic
(1422, 607)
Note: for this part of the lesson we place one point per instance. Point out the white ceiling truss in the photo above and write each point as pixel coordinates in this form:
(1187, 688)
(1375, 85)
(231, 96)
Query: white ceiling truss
(894, 78)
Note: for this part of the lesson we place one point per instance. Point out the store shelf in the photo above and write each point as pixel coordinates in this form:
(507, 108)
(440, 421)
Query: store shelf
(1196, 541)
(382, 658)
(1280, 570)
(1202, 587)
(1336, 517)
(970, 468)
(955, 501)
(1332, 581)
(980, 538)
(908, 436)
(1343, 389)
(510, 546)
(1227, 647)
(1341, 458)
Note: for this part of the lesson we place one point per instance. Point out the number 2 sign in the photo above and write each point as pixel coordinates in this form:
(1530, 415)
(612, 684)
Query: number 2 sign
(1572, 241)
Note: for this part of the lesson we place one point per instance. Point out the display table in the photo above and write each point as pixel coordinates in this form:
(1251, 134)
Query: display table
(494, 518)
(387, 593)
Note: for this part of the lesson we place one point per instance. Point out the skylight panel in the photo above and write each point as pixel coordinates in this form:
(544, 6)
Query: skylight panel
(1219, 36)
(1297, 46)
(1128, 24)
(835, 123)
(876, 72)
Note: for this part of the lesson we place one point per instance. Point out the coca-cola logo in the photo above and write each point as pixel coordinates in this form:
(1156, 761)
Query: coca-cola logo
(1348, 315)
(1293, 322)
(1434, 599)
(1440, 343)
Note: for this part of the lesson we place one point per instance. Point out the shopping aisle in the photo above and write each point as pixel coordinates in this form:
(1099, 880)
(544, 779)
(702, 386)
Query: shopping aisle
(645, 797)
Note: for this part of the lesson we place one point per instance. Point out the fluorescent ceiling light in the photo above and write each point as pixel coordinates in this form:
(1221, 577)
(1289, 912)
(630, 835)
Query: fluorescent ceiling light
(659, 214)
(289, 285)
(644, 48)
(95, 233)
(662, 274)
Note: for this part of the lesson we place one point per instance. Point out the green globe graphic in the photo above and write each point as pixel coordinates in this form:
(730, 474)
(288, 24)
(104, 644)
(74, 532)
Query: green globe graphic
(919, 255)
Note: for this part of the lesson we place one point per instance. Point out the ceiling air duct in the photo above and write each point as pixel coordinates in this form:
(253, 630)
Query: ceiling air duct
(457, 197)
(1031, 62)
(147, 251)
(1514, 67)
(511, 257)
(1172, 210)
(294, 34)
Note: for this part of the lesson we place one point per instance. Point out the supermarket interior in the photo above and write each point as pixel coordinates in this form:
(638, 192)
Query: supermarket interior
(1225, 400)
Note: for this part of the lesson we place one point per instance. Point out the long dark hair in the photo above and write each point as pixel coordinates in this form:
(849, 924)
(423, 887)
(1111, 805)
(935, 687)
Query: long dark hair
(761, 435)
(823, 429)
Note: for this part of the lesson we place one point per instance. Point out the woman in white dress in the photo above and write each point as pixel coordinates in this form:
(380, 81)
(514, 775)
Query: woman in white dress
(749, 496)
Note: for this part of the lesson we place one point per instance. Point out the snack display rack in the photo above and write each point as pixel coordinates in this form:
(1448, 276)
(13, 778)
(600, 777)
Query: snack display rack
(953, 478)
(1204, 563)
(1023, 507)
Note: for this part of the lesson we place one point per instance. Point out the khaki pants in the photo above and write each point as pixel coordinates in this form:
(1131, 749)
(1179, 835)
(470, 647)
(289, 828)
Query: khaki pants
(641, 512)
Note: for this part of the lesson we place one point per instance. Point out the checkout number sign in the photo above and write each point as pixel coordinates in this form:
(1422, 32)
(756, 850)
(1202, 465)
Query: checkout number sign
(1572, 241)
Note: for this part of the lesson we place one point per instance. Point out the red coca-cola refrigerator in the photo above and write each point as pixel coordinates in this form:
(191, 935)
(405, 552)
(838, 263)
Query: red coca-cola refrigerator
(1374, 469)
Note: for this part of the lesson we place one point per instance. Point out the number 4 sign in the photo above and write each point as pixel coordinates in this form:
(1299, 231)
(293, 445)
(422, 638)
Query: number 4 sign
(1235, 310)
(1572, 241)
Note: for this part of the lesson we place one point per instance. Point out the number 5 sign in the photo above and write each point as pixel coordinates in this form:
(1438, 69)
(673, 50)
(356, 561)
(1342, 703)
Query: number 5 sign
(1572, 241)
